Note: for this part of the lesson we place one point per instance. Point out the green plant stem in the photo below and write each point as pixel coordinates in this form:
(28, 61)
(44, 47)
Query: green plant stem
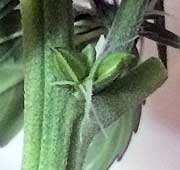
(125, 27)
(32, 21)
(46, 24)
(58, 23)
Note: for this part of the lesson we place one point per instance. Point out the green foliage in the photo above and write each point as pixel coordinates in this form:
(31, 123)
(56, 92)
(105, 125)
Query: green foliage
(75, 104)
(6, 6)
(116, 102)
(121, 99)
(11, 74)
(11, 97)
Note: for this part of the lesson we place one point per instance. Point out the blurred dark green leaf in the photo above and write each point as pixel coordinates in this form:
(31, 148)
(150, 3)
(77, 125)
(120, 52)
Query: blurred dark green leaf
(11, 99)
(11, 87)
(7, 7)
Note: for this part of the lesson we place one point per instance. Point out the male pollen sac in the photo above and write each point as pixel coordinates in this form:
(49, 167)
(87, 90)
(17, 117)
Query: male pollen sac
(112, 66)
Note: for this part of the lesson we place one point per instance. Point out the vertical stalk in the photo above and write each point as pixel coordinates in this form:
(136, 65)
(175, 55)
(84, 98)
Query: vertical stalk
(46, 24)
(32, 21)
(58, 27)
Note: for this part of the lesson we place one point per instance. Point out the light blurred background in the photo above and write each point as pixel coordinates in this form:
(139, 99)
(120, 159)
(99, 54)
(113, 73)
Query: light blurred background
(156, 146)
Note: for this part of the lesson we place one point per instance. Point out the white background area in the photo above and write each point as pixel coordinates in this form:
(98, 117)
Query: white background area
(156, 146)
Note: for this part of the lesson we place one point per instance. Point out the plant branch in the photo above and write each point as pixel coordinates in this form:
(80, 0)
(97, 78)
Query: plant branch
(46, 24)
(125, 27)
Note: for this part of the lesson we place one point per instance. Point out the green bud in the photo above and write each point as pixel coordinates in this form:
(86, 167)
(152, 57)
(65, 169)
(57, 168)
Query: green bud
(112, 66)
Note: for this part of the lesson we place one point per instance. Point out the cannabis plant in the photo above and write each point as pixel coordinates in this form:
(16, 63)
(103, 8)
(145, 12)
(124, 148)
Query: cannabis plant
(73, 76)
